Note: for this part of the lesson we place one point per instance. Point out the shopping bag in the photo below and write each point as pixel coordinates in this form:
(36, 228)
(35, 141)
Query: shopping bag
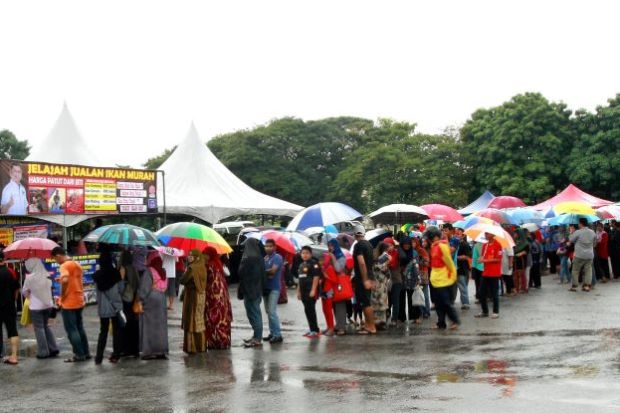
(26, 313)
(417, 298)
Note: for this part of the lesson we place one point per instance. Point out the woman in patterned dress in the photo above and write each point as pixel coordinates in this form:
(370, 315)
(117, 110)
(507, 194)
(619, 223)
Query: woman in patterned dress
(218, 310)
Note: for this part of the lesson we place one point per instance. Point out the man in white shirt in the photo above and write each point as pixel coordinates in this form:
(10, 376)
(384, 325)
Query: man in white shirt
(14, 200)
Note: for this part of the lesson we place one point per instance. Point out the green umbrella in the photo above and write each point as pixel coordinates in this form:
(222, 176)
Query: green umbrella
(123, 234)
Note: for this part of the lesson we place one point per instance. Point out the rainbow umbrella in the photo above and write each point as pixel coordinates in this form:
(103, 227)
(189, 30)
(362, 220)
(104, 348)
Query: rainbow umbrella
(478, 230)
(473, 220)
(187, 236)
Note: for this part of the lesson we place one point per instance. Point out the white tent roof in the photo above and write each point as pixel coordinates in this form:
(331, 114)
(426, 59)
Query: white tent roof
(64, 144)
(198, 184)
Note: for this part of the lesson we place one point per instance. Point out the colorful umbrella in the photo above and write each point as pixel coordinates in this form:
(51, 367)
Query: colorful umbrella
(187, 236)
(322, 214)
(30, 248)
(441, 212)
(503, 202)
(406, 228)
(299, 239)
(525, 215)
(496, 215)
(572, 219)
(173, 252)
(472, 220)
(608, 212)
(397, 213)
(572, 207)
(123, 234)
(283, 243)
(500, 233)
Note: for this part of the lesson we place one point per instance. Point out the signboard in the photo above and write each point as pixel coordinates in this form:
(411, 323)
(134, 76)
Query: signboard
(6, 236)
(34, 188)
(12, 233)
(89, 266)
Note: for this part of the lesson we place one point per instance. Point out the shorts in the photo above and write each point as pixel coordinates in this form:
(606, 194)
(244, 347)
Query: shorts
(10, 321)
(362, 295)
(171, 290)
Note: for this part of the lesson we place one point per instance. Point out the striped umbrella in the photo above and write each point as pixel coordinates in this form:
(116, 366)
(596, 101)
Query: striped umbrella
(187, 236)
(123, 234)
(322, 214)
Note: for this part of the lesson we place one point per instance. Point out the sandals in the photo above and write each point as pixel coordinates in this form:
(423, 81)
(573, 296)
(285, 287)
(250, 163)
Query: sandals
(365, 332)
(10, 362)
(74, 360)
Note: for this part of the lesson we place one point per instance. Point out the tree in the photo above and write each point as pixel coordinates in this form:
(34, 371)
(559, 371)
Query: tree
(11, 147)
(157, 161)
(395, 165)
(518, 148)
(595, 155)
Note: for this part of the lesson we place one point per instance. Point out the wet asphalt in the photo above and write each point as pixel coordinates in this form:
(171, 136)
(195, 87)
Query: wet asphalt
(550, 351)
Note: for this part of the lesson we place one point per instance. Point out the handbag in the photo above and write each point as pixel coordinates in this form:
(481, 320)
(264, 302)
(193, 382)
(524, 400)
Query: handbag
(417, 298)
(137, 306)
(53, 312)
(344, 289)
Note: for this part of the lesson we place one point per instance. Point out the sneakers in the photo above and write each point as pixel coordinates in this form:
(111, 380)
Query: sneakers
(253, 343)
(268, 338)
(465, 307)
(481, 315)
(276, 340)
(312, 334)
(494, 315)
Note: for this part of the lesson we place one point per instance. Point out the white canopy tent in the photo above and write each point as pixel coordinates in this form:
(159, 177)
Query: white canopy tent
(64, 144)
(198, 184)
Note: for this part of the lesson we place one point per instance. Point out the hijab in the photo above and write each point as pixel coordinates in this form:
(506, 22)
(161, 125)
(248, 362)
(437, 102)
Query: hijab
(154, 262)
(38, 280)
(139, 258)
(198, 269)
(107, 275)
(253, 250)
(214, 260)
(405, 255)
(337, 250)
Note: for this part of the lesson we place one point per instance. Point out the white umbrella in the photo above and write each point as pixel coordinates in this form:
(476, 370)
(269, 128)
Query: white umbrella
(531, 227)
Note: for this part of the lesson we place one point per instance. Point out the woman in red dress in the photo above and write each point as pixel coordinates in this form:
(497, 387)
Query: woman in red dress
(218, 310)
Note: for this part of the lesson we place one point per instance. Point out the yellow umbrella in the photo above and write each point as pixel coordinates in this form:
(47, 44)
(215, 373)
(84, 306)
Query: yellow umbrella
(477, 231)
(572, 207)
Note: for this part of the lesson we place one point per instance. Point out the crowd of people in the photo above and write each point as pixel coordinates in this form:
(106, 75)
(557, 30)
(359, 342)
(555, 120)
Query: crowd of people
(400, 280)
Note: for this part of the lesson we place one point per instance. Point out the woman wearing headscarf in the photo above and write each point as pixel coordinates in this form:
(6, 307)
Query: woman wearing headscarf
(38, 288)
(424, 261)
(405, 256)
(521, 251)
(194, 281)
(251, 283)
(152, 296)
(130, 337)
(109, 303)
(218, 310)
(338, 261)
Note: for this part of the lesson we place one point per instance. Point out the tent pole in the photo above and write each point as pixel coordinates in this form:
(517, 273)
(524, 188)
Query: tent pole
(163, 180)
(64, 233)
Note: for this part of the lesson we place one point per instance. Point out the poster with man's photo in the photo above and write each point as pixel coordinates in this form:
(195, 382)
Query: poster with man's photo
(32, 188)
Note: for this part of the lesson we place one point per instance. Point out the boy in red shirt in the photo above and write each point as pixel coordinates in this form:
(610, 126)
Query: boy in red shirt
(491, 276)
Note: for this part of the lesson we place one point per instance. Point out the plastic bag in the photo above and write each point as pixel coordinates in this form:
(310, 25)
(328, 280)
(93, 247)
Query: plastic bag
(26, 313)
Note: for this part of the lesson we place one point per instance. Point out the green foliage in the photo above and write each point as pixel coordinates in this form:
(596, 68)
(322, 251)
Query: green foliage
(518, 148)
(11, 147)
(595, 155)
(157, 161)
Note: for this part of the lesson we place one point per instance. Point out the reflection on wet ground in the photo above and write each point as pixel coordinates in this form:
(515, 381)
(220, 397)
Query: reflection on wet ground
(537, 357)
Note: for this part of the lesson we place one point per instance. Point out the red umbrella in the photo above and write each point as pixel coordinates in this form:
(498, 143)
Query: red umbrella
(442, 212)
(496, 215)
(29, 248)
(282, 241)
(502, 202)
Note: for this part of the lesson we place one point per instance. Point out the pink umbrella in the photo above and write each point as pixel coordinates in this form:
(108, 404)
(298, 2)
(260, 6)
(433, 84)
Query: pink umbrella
(502, 202)
(441, 212)
(608, 212)
(496, 215)
(30, 248)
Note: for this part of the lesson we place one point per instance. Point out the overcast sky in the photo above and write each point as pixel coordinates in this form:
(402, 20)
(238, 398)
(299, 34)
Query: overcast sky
(136, 73)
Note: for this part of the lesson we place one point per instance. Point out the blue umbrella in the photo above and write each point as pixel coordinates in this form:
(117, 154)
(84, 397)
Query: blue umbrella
(571, 219)
(322, 214)
(526, 216)
(472, 220)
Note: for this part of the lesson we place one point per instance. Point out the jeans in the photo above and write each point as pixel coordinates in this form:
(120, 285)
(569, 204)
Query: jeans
(104, 327)
(463, 281)
(72, 319)
(443, 306)
(46, 343)
(580, 264)
(489, 288)
(564, 269)
(476, 274)
(395, 299)
(426, 311)
(271, 308)
(255, 316)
